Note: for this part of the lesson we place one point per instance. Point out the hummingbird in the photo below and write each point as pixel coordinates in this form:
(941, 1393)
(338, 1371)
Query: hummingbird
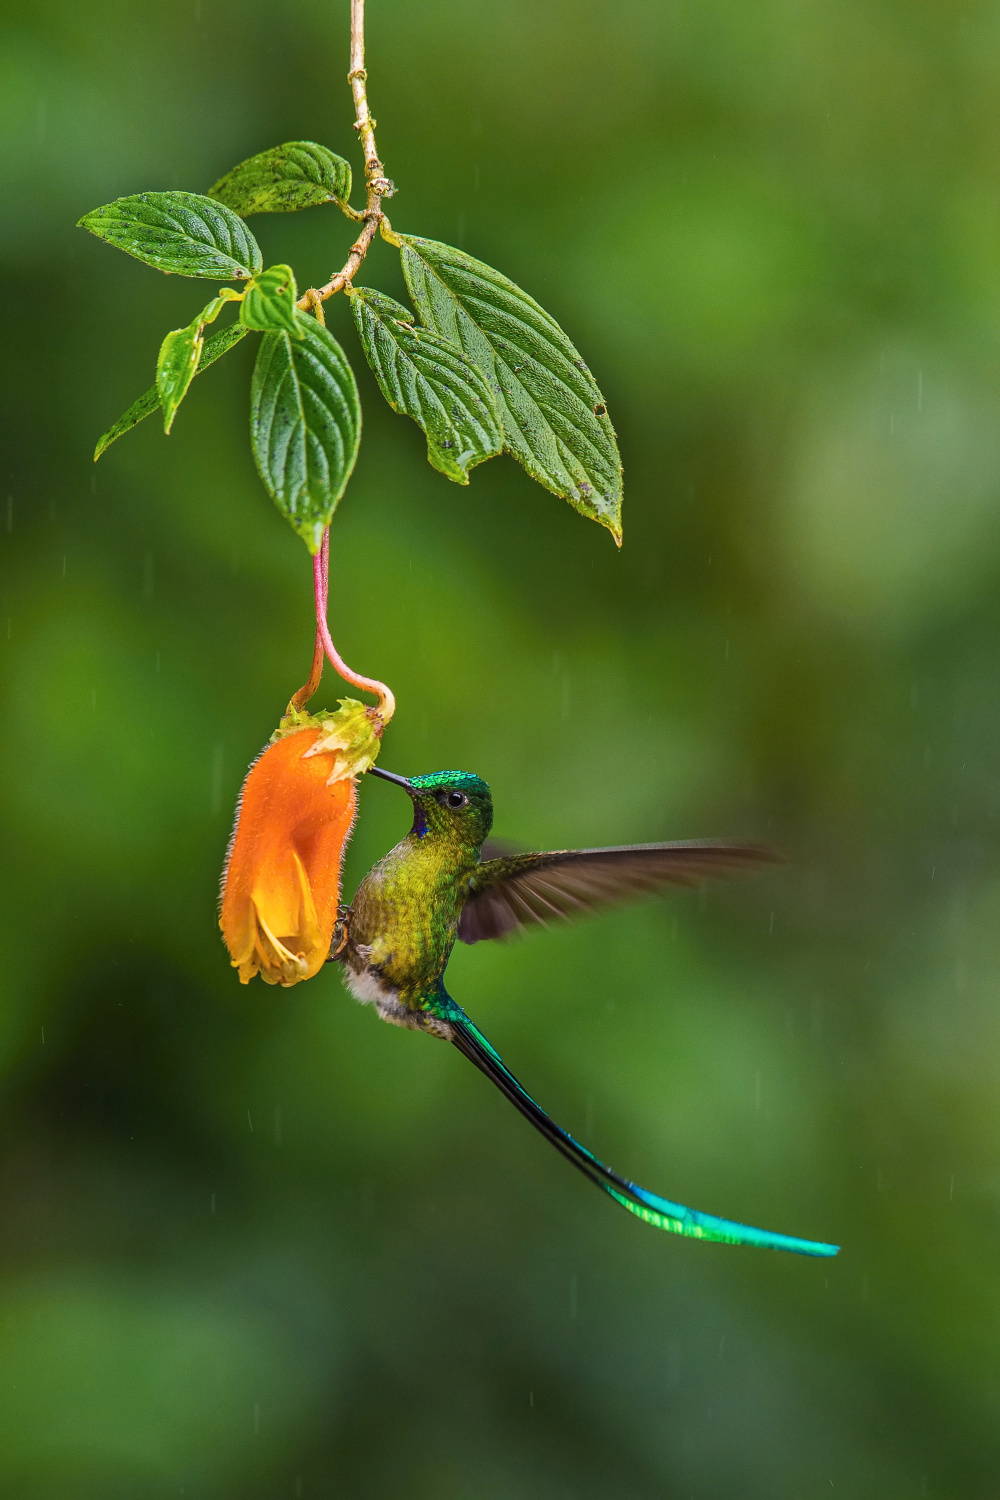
(440, 884)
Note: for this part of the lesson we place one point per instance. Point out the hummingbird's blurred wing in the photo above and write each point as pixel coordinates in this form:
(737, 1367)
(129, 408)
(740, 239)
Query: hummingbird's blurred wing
(520, 890)
(659, 1212)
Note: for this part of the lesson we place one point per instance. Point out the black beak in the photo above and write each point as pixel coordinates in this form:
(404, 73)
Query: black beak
(391, 776)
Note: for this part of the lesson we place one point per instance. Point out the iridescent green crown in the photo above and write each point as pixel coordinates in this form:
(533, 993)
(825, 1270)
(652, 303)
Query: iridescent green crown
(463, 781)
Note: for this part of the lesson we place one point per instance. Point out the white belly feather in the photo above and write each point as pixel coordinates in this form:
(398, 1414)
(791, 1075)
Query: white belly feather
(366, 986)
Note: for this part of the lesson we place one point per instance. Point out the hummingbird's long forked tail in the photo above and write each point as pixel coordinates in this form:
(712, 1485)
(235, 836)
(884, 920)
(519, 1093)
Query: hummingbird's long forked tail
(659, 1212)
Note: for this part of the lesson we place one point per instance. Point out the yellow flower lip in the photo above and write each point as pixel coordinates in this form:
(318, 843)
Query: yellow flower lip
(292, 966)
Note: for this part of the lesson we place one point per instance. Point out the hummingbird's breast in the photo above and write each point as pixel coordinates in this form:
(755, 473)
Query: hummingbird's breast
(401, 930)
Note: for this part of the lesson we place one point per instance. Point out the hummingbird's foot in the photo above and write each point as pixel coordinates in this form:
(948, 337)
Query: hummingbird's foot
(340, 940)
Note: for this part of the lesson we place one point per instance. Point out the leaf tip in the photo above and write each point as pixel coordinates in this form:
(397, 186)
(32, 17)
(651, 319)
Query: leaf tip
(613, 524)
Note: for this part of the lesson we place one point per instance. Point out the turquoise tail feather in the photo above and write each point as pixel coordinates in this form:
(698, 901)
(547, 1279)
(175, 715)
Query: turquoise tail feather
(659, 1212)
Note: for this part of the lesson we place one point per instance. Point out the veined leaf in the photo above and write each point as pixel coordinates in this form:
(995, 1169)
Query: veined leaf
(214, 348)
(269, 302)
(179, 355)
(183, 233)
(555, 419)
(428, 378)
(297, 175)
(305, 425)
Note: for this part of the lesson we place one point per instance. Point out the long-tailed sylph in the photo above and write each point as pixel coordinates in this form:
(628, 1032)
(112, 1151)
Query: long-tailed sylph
(434, 887)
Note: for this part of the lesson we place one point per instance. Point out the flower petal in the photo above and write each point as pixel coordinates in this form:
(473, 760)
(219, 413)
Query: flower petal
(281, 886)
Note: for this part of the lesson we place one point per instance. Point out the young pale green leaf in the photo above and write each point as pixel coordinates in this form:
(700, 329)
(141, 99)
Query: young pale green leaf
(175, 367)
(297, 175)
(178, 359)
(269, 302)
(181, 233)
(554, 417)
(214, 348)
(305, 425)
(428, 378)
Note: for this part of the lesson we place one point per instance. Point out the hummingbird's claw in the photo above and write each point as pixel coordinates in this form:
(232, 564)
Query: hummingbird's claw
(340, 935)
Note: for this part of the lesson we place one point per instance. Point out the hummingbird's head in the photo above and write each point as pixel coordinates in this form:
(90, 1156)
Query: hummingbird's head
(454, 803)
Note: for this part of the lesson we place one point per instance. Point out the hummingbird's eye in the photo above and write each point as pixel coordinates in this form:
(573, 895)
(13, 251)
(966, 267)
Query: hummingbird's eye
(453, 799)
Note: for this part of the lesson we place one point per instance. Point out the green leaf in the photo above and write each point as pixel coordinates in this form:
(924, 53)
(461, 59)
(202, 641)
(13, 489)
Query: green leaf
(554, 417)
(175, 367)
(428, 378)
(305, 425)
(297, 175)
(269, 302)
(179, 355)
(183, 233)
(214, 348)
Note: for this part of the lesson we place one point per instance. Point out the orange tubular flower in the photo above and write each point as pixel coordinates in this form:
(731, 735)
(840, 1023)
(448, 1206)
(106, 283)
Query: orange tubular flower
(281, 883)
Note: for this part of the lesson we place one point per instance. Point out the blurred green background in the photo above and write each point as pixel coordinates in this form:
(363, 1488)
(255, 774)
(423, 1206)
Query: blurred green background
(254, 1244)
